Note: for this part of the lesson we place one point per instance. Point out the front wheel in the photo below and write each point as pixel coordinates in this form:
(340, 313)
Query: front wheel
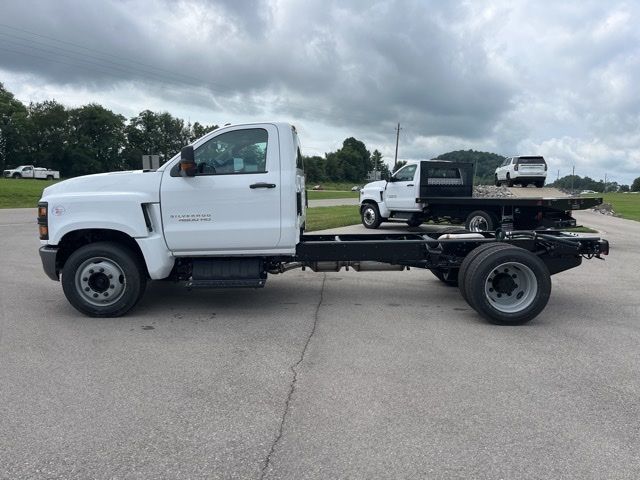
(370, 215)
(17, 175)
(509, 181)
(103, 279)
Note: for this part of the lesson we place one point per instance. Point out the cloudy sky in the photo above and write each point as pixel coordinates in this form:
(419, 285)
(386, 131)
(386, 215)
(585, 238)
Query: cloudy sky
(561, 79)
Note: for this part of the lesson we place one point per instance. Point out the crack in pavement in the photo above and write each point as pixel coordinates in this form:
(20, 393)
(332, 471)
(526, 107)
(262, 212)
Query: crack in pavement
(292, 385)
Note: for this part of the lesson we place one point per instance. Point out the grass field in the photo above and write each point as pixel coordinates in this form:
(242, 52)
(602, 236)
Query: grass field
(21, 193)
(321, 218)
(322, 194)
(626, 205)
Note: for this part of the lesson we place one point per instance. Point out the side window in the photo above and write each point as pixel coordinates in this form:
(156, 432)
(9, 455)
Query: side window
(238, 151)
(406, 174)
(514, 161)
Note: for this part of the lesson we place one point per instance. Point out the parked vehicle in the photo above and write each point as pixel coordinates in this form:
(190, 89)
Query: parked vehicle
(522, 171)
(588, 192)
(441, 190)
(29, 171)
(355, 188)
(230, 210)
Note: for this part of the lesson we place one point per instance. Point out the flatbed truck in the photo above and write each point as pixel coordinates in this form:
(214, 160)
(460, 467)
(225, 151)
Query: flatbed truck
(229, 211)
(442, 191)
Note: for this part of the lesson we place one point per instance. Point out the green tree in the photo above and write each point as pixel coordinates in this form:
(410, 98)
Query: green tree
(379, 165)
(635, 186)
(624, 188)
(48, 135)
(485, 163)
(198, 130)
(96, 140)
(314, 169)
(13, 129)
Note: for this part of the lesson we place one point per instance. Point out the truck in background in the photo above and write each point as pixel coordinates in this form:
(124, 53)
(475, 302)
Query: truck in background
(442, 190)
(30, 171)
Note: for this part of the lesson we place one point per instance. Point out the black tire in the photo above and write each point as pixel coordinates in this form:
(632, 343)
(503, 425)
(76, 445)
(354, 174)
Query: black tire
(370, 215)
(481, 221)
(509, 181)
(539, 184)
(49, 177)
(414, 221)
(471, 256)
(17, 175)
(496, 181)
(507, 286)
(97, 273)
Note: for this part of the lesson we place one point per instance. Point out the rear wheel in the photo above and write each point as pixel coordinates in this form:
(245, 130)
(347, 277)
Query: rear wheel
(481, 221)
(472, 255)
(507, 286)
(49, 177)
(509, 181)
(539, 184)
(370, 215)
(103, 279)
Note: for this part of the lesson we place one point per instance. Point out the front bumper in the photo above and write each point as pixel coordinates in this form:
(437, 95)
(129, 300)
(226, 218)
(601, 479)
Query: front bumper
(48, 256)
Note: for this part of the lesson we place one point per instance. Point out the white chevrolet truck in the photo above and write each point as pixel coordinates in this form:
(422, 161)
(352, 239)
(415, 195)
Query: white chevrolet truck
(229, 211)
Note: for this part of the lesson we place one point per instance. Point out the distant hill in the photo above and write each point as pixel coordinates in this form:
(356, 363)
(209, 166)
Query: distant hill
(486, 163)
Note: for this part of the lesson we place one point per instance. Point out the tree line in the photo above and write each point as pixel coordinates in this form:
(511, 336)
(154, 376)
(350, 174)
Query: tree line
(93, 139)
(87, 139)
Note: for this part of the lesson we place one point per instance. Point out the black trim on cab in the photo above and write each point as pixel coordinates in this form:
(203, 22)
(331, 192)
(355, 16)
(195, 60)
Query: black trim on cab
(48, 256)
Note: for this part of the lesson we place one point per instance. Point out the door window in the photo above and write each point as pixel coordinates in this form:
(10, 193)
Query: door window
(406, 174)
(235, 152)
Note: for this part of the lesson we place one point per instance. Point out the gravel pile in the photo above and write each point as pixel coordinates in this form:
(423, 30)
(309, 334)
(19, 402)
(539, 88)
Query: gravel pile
(491, 191)
(605, 209)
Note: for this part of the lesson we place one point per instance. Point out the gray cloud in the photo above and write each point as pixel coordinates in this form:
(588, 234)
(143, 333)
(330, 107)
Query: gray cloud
(542, 76)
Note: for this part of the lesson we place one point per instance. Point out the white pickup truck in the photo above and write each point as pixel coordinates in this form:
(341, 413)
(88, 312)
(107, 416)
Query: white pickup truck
(230, 209)
(29, 171)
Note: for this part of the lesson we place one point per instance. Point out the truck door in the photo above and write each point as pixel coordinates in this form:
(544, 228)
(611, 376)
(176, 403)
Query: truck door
(27, 172)
(401, 190)
(233, 202)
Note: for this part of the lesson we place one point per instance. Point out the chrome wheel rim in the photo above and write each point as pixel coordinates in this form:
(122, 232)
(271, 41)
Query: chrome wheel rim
(369, 216)
(511, 287)
(478, 224)
(100, 281)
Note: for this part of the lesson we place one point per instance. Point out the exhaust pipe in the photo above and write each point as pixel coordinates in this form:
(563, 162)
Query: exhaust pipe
(363, 266)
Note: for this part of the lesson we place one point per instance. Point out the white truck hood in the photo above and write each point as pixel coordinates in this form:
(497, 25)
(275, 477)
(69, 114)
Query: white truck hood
(141, 184)
(377, 185)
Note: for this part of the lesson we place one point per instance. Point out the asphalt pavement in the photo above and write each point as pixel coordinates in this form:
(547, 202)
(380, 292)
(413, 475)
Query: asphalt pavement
(337, 375)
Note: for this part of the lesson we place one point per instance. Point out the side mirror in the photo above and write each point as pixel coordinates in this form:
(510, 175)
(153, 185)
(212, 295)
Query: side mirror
(392, 179)
(187, 162)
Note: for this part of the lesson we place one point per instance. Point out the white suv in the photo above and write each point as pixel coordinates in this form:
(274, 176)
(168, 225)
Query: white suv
(522, 170)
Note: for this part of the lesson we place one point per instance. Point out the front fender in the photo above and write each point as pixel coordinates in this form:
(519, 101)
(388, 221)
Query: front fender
(111, 211)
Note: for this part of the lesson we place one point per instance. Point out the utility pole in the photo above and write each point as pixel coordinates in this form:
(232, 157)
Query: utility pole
(558, 177)
(605, 183)
(573, 175)
(395, 161)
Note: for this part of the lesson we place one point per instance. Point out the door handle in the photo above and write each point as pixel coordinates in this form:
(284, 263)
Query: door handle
(410, 185)
(263, 185)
